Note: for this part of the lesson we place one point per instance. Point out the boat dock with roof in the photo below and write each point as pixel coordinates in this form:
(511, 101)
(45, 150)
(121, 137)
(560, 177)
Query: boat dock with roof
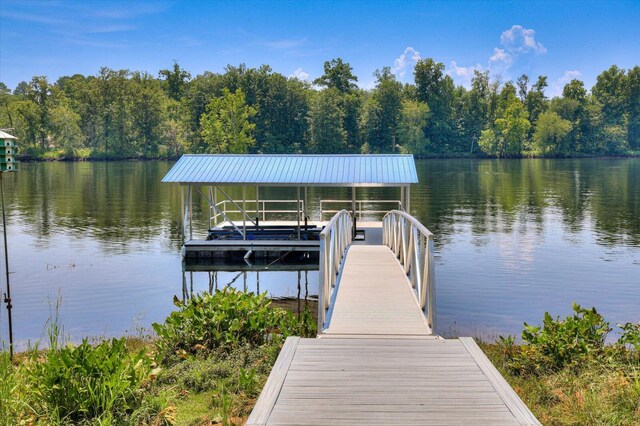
(377, 358)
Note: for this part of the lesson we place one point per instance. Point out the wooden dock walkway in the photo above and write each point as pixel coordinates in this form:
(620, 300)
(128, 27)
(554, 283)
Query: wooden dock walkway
(376, 360)
(374, 297)
(387, 381)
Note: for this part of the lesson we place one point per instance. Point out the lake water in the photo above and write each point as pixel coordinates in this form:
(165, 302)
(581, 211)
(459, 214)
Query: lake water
(514, 239)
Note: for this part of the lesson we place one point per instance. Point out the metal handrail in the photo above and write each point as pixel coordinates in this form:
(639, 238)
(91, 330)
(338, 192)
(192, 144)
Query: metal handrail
(412, 243)
(359, 206)
(335, 238)
(221, 210)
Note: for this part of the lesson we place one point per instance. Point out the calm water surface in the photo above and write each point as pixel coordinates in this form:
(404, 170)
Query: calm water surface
(514, 239)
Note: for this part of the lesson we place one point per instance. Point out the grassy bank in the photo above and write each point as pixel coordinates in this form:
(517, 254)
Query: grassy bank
(567, 375)
(211, 357)
(206, 365)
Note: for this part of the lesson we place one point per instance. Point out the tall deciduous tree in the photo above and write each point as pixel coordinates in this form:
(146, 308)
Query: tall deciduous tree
(337, 75)
(225, 126)
(175, 81)
(550, 137)
(383, 114)
(415, 115)
(633, 107)
(326, 123)
(436, 89)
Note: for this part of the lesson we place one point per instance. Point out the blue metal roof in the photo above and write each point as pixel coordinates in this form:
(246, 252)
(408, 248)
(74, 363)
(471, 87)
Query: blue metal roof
(294, 170)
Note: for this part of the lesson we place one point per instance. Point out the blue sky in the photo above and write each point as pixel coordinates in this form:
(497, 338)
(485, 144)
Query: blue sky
(560, 39)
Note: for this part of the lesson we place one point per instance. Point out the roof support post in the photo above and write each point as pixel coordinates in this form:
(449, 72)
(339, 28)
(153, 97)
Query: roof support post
(298, 208)
(353, 201)
(182, 213)
(190, 196)
(408, 191)
(215, 203)
(306, 203)
(257, 204)
(402, 197)
(244, 212)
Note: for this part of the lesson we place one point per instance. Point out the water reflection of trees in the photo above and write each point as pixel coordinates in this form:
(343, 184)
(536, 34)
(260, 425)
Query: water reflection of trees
(495, 196)
(123, 203)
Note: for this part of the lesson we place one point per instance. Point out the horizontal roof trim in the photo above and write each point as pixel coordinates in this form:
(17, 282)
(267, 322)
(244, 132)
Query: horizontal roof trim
(294, 170)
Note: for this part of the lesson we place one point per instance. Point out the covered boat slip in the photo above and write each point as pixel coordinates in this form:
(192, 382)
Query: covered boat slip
(260, 227)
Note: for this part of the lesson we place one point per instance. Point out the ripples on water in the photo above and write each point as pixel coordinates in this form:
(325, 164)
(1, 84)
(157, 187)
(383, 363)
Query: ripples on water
(514, 239)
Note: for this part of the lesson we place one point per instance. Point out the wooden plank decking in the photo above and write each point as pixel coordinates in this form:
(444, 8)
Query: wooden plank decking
(386, 381)
(377, 362)
(374, 297)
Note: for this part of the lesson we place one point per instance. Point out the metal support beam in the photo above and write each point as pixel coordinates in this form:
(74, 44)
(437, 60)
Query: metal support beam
(353, 201)
(408, 192)
(190, 214)
(298, 208)
(215, 203)
(182, 213)
(257, 204)
(244, 211)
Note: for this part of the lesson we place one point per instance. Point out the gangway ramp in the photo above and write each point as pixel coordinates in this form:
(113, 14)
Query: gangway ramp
(377, 359)
(374, 297)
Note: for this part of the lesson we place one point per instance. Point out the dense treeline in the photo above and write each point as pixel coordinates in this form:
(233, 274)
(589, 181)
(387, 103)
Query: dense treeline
(119, 113)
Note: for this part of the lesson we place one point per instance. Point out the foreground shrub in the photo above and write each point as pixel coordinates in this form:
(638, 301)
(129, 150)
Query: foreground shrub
(558, 342)
(630, 336)
(225, 320)
(85, 383)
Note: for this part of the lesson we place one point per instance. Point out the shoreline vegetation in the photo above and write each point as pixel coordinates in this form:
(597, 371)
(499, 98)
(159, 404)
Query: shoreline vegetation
(88, 155)
(209, 360)
(122, 114)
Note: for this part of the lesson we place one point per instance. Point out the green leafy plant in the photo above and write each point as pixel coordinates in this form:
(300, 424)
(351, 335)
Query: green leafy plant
(630, 335)
(561, 342)
(75, 384)
(224, 320)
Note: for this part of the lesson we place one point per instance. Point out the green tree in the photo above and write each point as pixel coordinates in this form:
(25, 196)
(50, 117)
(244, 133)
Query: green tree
(384, 112)
(226, 126)
(65, 128)
(509, 132)
(436, 89)
(536, 102)
(550, 137)
(609, 91)
(337, 75)
(414, 118)
(476, 108)
(147, 113)
(326, 118)
(175, 81)
(633, 107)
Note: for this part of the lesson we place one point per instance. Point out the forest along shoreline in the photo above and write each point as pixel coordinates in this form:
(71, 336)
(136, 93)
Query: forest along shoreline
(122, 114)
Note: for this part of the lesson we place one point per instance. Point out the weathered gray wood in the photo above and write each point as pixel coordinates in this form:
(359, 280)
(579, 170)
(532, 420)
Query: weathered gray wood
(508, 395)
(390, 381)
(271, 390)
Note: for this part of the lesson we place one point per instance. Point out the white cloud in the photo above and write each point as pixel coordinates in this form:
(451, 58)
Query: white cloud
(401, 63)
(300, 74)
(516, 44)
(463, 75)
(500, 55)
(521, 40)
(555, 89)
(285, 43)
